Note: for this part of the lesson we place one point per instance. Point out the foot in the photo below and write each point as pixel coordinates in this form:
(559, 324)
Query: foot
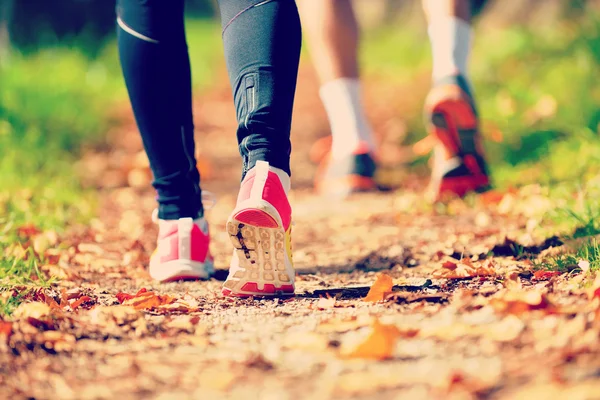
(459, 165)
(260, 231)
(343, 176)
(182, 252)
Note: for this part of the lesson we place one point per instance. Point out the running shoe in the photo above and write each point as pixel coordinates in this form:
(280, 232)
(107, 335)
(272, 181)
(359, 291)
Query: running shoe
(346, 175)
(182, 251)
(459, 165)
(260, 230)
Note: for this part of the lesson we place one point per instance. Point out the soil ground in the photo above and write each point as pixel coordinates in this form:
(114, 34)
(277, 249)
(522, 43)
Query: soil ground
(484, 327)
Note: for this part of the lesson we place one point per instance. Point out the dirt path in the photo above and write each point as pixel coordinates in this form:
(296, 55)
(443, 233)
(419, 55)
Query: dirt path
(450, 329)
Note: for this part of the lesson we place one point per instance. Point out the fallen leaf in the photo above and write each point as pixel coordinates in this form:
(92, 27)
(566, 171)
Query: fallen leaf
(148, 300)
(125, 296)
(180, 305)
(5, 330)
(408, 297)
(325, 303)
(28, 230)
(58, 341)
(465, 269)
(519, 302)
(379, 345)
(492, 197)
(542, 275)
(34, 309)
(382, 286)
(79, 302)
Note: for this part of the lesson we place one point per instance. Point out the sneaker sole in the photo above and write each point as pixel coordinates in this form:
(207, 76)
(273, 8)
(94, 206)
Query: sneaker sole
(259, 241)
(181, 270)
(443, 127)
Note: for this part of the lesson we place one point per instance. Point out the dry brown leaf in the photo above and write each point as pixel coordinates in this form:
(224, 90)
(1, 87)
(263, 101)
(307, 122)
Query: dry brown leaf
(34, 309)
(465, 269)
(179, 305)
(380, 289)
(5, 330)
(80, 301)
(148, 300)
(519, 302)
(379, 345)
(325, 303)
(58, 341)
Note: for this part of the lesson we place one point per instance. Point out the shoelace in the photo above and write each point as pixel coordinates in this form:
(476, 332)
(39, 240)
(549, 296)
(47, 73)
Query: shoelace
(209, 200)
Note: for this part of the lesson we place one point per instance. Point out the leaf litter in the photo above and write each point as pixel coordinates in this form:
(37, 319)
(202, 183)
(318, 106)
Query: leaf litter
(453, 310)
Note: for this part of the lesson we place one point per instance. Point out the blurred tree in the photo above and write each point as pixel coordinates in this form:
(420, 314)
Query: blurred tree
(6, 8)
(29, 24)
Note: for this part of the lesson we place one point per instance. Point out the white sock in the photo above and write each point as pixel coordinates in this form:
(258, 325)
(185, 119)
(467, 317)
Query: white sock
(349, 125)
(450, 46)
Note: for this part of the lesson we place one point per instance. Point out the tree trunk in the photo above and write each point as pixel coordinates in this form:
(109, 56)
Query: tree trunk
(6, 12)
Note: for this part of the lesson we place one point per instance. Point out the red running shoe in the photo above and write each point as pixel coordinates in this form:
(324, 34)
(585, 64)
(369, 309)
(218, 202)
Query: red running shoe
(459, 164)
(182, 251)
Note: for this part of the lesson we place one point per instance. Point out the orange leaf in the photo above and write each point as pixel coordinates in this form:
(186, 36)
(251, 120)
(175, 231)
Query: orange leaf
(465, 269)
(380, 343)
(5, 329)
(148, 300)
(122, 297)
(79, 302)
(449, 265)
(382, 286)
(520, 302)
(28, 230)
(543, 275)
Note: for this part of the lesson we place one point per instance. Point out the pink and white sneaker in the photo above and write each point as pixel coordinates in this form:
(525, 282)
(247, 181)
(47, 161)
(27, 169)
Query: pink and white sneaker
(260, 231)
(182, 251)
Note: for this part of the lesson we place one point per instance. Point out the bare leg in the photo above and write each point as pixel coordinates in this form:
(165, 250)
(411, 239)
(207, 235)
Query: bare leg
(459, 165)
(450, 34)
(332, 35)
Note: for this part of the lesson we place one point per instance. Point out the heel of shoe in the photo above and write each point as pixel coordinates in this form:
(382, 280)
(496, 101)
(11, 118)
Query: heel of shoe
(255, 217)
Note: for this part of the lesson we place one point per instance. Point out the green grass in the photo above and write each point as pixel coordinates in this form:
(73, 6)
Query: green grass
(52, 102)
(536, 89)
(587, 250)
(535, 86)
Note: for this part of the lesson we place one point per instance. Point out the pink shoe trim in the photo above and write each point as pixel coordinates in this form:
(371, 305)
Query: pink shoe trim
(269, 291)
(174, 254)
(199, 247)
(274, 193)
(254, 217)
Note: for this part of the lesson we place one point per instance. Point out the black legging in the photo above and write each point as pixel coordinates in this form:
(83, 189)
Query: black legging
(262, 49)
